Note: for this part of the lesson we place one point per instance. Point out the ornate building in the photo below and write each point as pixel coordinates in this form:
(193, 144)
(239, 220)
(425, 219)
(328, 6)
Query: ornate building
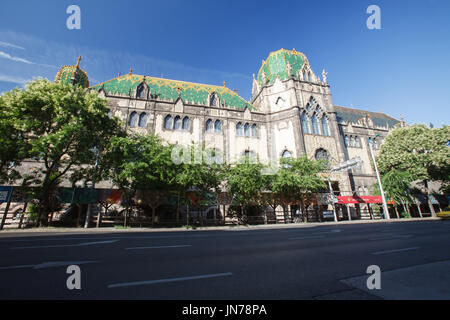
(291, 113)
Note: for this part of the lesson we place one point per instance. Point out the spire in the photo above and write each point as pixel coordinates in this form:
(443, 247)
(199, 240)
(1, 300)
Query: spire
(131, 71)
(78, 62)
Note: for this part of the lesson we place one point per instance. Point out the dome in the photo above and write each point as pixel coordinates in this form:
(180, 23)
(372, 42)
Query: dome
(73, 75)
(282, 64)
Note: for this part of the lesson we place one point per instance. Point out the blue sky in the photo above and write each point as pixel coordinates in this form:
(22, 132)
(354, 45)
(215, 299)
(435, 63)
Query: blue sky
(401, 69)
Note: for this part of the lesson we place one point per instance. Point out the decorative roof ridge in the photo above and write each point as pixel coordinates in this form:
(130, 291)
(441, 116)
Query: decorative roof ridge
(165, 79)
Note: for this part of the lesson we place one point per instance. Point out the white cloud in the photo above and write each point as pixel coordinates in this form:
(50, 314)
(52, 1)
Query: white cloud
(10, 45)
(17, 59)
(13, 79)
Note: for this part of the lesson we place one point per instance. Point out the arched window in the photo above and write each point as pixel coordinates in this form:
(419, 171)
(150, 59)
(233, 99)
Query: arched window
(250, 156)
(177, 123)
(213, 100)
(217, 126)
(315, 124)
(375, 144)
(110, 114)
(209, 125)
(325, 128)
(322, 154)
(133, 119)
(309, 76)
(352, 141)
(143, 119)
(346, 141)
(239, 131)
(357, 142)
(305, 124)
(370, 142)
(185, 123)
(168, 122)
(247, 130)
(140, 92)
(286, 154)
(254, 130)
(304, 75)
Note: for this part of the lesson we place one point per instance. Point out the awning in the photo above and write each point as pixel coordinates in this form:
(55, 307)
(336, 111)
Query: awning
(361, 199)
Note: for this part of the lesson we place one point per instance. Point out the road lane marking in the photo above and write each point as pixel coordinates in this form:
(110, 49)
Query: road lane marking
(159, 247)
(308, 237)
(139, 283)
(68, 245)
(400, 236)
(51, 264)
(396, 250)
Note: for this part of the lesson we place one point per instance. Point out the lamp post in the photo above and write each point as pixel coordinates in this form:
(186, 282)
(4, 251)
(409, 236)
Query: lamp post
(385, 208)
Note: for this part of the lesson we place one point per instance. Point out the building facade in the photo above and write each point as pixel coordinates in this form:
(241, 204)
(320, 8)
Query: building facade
(290, 114)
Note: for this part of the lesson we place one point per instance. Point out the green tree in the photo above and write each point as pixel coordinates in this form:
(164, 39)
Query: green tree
(420, 151)
(197, 168)
(140, 162)
(396, 184)
(59, 125)
(299, 178)
(245, 182)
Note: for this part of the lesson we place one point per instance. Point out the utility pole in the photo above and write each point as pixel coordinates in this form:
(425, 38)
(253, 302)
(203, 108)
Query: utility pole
(385, 208)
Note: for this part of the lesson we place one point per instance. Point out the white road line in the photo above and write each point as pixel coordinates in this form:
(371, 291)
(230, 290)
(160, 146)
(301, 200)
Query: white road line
(396, 250)
(68, 245)
(400, 236)
(159, 247)
(310, 237)
(139, 283)
(51, 264)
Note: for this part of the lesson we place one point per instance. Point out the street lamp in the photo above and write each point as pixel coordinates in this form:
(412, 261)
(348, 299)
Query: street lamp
(385, 208)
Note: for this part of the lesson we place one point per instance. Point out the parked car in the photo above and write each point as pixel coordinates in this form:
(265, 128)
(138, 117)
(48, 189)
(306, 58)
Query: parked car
(444, 214)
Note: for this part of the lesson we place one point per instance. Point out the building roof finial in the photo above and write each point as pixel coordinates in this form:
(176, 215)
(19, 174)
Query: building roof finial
(78, 61)
(131, 71)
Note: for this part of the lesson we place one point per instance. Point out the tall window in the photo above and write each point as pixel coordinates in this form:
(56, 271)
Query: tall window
(370, 142)
(325, 128)
(141, 92)
(254, 130)
(133, 119)
(247, 130)
(375, 144)
(217, 126)
(168, 122)
(346, 141)
(352, 141)
(209, 125)
(239, 130)
(143, 119)
(177, 123)
(185, 123)
(305, 123)
(213, 100)
(315, 124)
(357, 142)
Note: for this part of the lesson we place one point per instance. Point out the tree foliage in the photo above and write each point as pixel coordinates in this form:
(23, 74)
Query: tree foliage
(58, 125)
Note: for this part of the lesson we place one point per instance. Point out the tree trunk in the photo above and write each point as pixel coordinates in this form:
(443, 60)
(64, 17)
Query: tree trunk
(427, 190)
(305, 214)
(420, 211)
(153, 216)
(396, 212)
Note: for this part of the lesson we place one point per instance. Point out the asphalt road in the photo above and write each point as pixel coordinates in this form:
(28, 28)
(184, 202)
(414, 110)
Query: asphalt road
(319, 262)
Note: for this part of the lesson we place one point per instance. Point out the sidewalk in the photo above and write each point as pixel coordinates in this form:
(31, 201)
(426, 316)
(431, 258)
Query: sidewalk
(53, 230)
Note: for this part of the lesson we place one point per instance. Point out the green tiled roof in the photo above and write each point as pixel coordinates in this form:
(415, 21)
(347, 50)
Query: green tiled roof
(276, 64)
(66, 73)
(344, 114)
(168, 90)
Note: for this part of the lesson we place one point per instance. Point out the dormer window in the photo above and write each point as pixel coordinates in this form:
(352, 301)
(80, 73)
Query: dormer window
(213, 100)
(141, 92)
